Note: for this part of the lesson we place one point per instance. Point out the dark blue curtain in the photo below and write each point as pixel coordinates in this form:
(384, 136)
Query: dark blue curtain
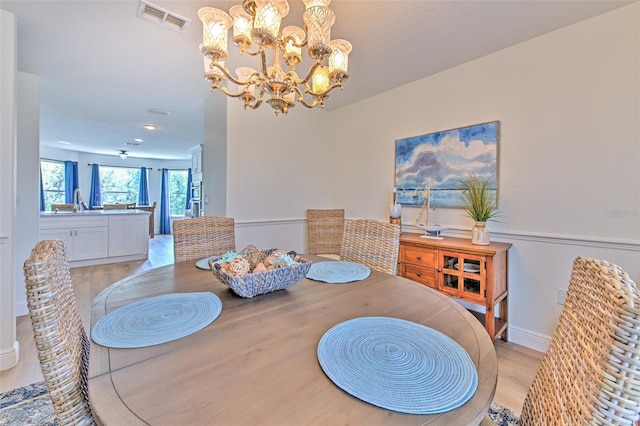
(42, 204)
(165, 217)
(95, 195)
(143, 189)
(189, 179)
(70, 180)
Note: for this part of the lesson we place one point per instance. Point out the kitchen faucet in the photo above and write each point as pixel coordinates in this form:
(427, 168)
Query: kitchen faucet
(77, 200)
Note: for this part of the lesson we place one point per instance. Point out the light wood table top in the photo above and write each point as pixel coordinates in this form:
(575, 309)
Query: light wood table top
(257, 362)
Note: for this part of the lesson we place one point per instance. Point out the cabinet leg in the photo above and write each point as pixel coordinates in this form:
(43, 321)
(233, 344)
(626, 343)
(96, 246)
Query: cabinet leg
(504, 312)
(489, 321)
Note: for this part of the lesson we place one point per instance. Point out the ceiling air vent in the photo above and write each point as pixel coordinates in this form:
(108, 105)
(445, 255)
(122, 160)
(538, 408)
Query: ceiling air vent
(158, 111)
(160, 16)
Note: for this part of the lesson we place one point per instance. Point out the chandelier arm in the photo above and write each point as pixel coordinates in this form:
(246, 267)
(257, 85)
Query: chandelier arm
(228, 93)
(314, 104)
(227, 74)
(254, 106)
(310, 73)
(293, 42)
(258, 101)
(248, 52)
(325, 93)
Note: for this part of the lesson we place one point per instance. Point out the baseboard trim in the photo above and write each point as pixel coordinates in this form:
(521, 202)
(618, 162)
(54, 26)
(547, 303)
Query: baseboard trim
(106, 260)
(530, 339)
(9, 358)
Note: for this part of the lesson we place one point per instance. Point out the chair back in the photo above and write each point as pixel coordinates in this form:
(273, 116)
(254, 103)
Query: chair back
(203, 236)
(373, 243)
(62, 207)
(591, 372)
(324, 230)
(125, 206)
(61, 341)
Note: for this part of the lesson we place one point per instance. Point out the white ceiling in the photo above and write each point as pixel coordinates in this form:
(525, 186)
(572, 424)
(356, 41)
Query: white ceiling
(101, 67)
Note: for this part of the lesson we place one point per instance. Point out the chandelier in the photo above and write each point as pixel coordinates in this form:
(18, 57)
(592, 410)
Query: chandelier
(257, 22)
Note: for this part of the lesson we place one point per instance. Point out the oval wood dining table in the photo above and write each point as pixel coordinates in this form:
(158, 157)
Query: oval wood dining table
(257, 364)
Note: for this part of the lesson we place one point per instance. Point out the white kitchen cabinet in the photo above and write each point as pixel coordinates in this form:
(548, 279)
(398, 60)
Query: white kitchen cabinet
(84, 239)
(81, 243)
(196, 163)
(96, 237)
(128, 235)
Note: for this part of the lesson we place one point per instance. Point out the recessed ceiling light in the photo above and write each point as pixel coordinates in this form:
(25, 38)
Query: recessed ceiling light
(149, 127)
(138, 140)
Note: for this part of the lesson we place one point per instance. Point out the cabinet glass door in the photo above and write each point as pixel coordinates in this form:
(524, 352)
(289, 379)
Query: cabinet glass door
(463, 275)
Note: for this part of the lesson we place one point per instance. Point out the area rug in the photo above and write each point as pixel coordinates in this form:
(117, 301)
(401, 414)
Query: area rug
(30, 406)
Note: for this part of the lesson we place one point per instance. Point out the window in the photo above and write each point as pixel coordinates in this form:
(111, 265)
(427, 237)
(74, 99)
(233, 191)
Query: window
(119, 185)
(177, 192)
(52, 182)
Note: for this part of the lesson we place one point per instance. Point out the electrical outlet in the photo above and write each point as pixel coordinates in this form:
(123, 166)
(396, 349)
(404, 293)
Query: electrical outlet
(562, 295)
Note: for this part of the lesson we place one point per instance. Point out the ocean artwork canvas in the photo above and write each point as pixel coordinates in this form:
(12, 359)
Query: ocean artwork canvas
(440, 160)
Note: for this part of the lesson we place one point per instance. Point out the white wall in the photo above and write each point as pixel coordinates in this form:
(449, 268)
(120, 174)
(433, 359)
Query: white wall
(9, 348)
(214, 156)
(277, 167)
(28, 181)
(569, 154)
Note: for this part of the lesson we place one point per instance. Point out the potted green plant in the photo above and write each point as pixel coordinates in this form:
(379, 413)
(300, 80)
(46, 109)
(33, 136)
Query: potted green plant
(481, 205)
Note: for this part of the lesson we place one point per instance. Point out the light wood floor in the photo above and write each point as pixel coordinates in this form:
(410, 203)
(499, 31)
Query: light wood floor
(516, 364)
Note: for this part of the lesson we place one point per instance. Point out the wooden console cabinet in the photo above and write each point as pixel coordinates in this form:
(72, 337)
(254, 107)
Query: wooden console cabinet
(473, 273)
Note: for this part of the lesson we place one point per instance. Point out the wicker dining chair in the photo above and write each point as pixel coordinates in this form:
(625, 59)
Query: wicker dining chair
(373, 243)
(591, 372)
(324, 231)
(203, 236)
(62, 207)
(61, 341)
(119, 206)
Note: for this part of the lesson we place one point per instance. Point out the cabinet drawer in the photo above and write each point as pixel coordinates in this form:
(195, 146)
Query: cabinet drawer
(426, 276)
(422, 257)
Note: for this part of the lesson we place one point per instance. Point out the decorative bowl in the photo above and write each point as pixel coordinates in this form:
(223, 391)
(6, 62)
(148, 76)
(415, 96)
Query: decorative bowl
(253, 284)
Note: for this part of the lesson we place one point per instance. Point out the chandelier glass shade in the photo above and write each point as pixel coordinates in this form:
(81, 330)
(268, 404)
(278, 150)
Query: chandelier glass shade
(256, 31)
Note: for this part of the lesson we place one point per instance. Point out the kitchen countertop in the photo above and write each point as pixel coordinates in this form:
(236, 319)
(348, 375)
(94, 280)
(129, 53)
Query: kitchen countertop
(66, 213)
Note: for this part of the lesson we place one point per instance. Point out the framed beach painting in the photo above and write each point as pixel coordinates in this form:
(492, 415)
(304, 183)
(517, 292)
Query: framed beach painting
(439, 160)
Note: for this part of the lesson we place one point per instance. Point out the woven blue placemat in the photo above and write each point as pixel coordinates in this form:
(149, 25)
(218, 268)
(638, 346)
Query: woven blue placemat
(156, 320)
(338, 272)
(398, 365)
(204, 263)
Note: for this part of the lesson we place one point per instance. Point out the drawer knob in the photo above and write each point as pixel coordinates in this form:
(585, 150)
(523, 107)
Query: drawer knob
(419, 257)
(418, 274)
